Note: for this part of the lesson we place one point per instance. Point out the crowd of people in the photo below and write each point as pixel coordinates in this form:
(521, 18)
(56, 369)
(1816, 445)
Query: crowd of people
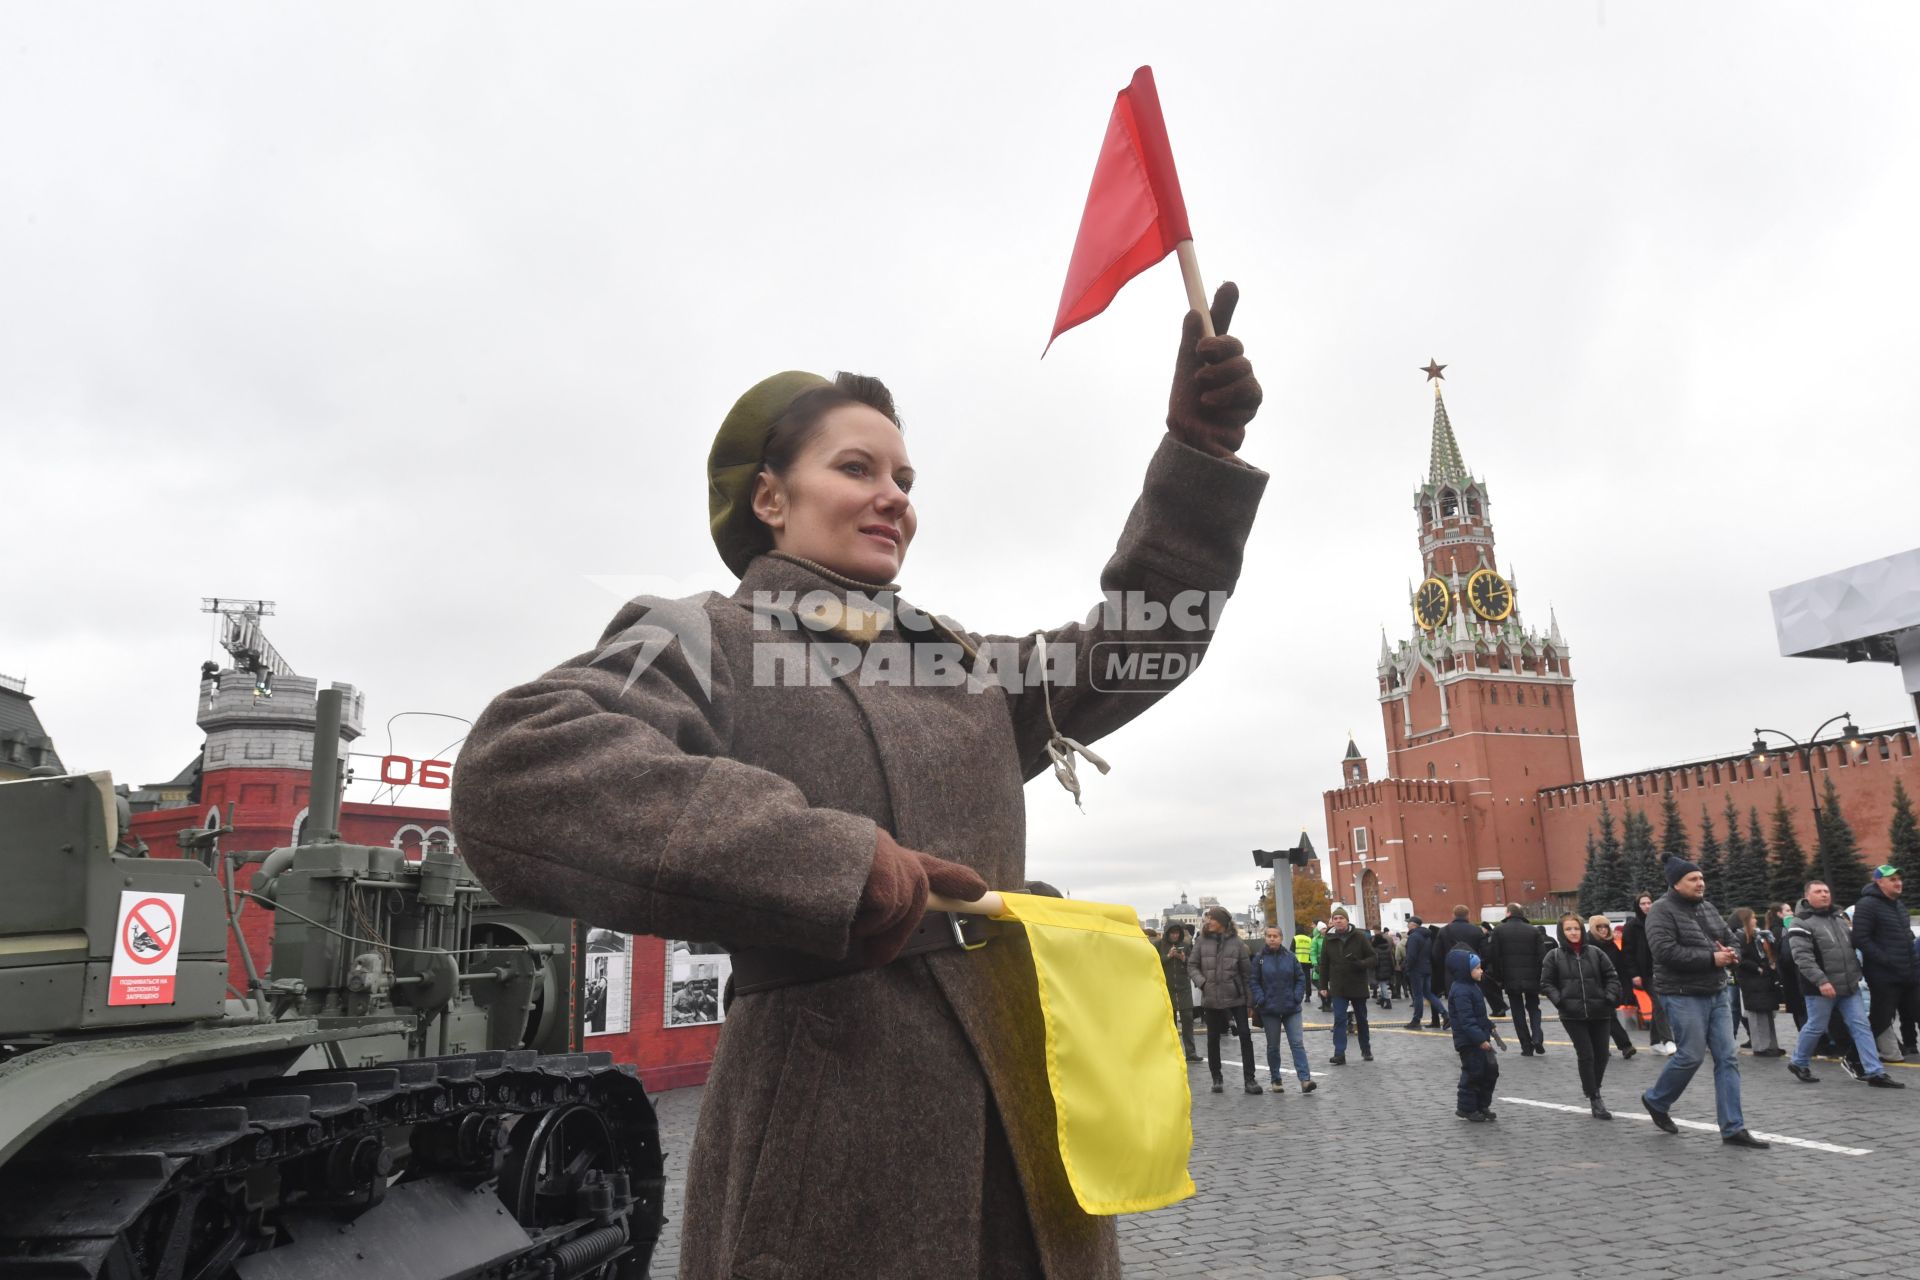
(1691, 977)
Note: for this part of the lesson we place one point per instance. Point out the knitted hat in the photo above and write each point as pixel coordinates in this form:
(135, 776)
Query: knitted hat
(1678, 869)
(734, 462)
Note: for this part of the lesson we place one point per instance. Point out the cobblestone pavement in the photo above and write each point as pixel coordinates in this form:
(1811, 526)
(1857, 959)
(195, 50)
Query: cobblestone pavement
(1373, 1176)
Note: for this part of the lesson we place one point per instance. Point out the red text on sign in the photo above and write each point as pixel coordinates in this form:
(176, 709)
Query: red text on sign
(399, 771)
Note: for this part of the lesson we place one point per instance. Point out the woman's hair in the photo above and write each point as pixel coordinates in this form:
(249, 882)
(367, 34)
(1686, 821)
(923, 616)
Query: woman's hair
(1775, 918)
(1575, 917)
(1743, 916)
(1223, 917)
(801, 421)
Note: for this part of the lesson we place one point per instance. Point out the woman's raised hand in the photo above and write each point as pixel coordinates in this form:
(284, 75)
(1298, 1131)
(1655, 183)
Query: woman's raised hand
(1215, 394)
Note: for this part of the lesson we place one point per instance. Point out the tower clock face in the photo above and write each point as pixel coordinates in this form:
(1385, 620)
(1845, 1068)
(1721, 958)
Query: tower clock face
(1430, 603)
(1490, 595)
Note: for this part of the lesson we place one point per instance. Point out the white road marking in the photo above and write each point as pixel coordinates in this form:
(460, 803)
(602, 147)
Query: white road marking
(1782, 1139)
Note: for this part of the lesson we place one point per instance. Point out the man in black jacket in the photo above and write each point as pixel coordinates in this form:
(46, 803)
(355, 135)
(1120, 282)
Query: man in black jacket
(1420, 948)
(1518, 954)
(1885, 941)
(1692, 951)
(1346, 974)
(1459, 932)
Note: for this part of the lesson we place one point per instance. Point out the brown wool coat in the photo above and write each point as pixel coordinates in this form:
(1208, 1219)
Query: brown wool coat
(848, 1127)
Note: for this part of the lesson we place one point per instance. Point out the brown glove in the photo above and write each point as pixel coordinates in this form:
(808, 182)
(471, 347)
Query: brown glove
(1215, 394)
(896, 897)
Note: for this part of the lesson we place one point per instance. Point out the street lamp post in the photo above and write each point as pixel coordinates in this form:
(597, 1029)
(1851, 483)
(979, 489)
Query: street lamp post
(1850, 734)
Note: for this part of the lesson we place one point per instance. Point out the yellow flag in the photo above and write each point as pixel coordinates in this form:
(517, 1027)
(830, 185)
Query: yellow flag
(1114, 1061)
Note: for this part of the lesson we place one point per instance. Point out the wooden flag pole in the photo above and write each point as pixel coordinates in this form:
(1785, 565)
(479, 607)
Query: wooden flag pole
(1196, 291)
(991, 905)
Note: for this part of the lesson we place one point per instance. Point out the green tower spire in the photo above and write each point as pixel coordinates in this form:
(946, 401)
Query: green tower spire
(1445, 465)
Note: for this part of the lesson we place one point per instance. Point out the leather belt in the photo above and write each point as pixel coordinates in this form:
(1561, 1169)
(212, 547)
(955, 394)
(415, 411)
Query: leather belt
(764, 968)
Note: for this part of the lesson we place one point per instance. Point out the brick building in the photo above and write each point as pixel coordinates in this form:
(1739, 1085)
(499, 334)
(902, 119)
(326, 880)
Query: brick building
(1485, 799)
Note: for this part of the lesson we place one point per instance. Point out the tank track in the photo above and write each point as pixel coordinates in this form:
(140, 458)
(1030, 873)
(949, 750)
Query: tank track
(503, 1165)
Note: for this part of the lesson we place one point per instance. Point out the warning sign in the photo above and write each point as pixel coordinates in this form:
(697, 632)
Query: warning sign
(146, 948)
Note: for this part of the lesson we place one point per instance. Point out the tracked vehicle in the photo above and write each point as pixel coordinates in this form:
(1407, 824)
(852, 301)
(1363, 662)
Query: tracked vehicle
(397, 1096)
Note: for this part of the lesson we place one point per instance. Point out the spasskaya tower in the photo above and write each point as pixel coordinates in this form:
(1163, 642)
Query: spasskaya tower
(1478, 714)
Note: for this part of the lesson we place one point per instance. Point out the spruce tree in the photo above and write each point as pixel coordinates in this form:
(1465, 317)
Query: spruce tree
(1612, 885)
(1755, 860)
(1840, 864)
(1673, 831)
(1589, 886)
(1711, 864)
(1787, 866)
(1736, 847)
(1645, 868)
(1903, 843)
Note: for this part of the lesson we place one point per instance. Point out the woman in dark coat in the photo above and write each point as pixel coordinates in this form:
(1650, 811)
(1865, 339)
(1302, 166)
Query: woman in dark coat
(1600, 938)
(1584, 988)
(1637, 952)
(688, 778)
(1758, 975)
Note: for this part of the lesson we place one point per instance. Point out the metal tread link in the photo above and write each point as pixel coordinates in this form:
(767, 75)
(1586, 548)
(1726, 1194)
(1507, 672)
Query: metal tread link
(71, 1196)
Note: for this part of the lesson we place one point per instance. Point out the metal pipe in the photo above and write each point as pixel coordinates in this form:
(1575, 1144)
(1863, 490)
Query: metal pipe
(323, 799)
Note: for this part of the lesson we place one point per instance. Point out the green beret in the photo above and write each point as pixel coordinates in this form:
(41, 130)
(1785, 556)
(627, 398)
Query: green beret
(734, 461)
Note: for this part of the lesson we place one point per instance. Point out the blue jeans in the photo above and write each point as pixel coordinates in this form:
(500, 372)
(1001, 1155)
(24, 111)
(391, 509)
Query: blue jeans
(1341, 1007)
(1275, 1026)
(1422, 983)
(1701, 1025)
(1819, 1009)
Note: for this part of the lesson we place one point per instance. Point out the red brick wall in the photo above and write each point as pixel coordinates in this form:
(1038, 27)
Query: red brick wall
(1417, 827)
(1498, 751)
(1863, 780)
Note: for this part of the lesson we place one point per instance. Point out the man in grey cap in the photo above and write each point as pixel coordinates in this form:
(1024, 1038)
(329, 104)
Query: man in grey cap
(1823, 959)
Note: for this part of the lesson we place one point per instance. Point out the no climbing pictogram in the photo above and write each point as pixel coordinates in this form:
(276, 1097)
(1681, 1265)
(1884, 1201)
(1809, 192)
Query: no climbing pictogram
(150, 931)
(146, 951)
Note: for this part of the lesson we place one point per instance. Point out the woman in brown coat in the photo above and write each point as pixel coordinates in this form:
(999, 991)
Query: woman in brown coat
(789, 770)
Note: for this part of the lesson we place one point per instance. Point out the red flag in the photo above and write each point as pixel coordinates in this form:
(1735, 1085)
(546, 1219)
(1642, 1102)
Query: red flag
(1135, 214)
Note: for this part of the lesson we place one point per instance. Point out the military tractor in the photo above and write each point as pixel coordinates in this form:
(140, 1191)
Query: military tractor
(397, 1096)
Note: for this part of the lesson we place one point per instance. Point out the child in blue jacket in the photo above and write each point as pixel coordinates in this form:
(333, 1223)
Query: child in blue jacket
(1473, 1037)
(1279, 983)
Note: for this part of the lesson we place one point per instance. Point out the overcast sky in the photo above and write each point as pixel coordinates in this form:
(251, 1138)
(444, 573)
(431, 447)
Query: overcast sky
(418, 319)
